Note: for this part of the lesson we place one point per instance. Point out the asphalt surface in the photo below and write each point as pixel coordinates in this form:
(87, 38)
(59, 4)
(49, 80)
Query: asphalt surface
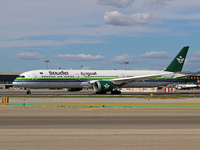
(100, 113)
(49, 126)
(90, 92)
(108, 122)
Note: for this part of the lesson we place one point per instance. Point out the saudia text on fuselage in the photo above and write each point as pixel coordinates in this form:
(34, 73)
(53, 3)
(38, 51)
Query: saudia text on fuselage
(87, 74)
(58, 73)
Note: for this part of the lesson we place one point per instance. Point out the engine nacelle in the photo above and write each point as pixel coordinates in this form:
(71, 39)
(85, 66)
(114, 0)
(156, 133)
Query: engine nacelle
(103, 86)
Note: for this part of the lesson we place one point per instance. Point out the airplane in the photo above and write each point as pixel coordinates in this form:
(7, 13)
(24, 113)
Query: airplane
(102, 81)
(188, 86)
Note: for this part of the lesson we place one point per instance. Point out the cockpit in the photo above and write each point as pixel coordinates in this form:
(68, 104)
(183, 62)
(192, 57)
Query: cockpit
(21, 76)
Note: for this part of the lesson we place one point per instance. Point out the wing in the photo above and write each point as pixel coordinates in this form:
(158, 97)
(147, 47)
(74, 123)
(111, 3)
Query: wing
(123, 81)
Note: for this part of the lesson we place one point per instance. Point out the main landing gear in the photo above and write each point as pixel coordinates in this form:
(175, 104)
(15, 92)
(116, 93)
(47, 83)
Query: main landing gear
(100, 92)
(116, 92)
(28, 91)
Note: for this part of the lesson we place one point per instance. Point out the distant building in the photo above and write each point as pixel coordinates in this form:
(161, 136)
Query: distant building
(6, 79)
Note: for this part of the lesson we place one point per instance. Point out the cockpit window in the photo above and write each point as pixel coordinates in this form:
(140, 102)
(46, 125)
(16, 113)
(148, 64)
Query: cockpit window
(21, 76)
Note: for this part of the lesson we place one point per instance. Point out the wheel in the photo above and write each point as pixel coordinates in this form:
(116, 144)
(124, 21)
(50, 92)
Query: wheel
(100, 92)
(119, 92)
(116, 92)
(28, 92)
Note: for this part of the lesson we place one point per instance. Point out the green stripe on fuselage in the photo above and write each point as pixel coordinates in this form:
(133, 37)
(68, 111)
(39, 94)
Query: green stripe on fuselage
(64, 78)
(165, 79)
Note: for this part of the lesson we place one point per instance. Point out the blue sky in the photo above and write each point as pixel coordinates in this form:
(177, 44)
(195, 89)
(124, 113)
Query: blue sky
(98, 34)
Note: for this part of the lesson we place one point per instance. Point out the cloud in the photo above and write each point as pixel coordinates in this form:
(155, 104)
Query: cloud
(154, 54)
(85, 67)
(117, 3)
(80, 57)
(46, 42)
(118, 19)
(157, 3)
(192, 62)
(28, 56)
(194, 58)
(124, 58)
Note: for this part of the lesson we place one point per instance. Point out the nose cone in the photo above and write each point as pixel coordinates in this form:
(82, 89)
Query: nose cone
(20, 80)
(17, 82)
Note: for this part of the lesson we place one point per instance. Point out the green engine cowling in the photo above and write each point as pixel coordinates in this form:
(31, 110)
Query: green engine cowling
(103, 86)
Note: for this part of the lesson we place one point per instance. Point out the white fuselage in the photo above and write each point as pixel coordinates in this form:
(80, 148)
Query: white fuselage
(81, 78)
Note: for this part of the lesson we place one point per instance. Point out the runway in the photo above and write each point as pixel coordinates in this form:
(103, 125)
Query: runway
(100, 113)
(108, 122)
(43, 124)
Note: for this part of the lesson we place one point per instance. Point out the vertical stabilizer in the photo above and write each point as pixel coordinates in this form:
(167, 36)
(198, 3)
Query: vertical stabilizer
(177, 63)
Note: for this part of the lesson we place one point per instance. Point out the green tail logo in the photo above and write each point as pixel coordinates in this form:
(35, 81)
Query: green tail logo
(180, 59)
(177, 63)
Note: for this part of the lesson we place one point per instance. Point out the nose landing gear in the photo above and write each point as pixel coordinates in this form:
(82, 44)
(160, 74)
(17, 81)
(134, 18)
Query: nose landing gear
(28, 91)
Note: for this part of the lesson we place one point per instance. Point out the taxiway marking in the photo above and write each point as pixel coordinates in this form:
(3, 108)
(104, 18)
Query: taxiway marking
(89, 109)
(112, 104)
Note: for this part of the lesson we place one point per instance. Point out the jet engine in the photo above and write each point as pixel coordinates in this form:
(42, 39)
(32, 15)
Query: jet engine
(103, 86)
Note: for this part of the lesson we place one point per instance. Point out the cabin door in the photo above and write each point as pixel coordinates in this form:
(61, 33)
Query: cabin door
(77, 76)
(34, 76)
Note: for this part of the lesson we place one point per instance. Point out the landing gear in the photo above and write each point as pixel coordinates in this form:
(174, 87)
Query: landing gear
(100, 92)
(116, 92)
(28, 91)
